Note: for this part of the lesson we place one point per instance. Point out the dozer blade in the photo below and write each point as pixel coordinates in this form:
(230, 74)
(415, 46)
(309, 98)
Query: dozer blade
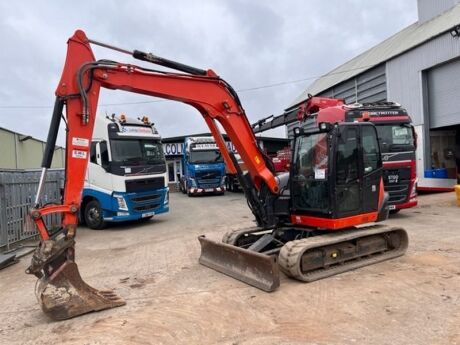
(253, 268)
(64, 294)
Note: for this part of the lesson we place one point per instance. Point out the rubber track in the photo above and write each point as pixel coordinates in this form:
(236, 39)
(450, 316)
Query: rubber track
(290, 256)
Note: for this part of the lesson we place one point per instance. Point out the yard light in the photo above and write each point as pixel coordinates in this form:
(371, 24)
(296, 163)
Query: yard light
(455, 31)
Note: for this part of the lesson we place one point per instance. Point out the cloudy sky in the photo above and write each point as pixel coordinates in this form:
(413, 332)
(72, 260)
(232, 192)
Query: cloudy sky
(269, 51)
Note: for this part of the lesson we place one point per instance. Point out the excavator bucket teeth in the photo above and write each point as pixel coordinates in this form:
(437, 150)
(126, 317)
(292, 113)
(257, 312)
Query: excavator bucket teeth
(64, 294)
(251, 267)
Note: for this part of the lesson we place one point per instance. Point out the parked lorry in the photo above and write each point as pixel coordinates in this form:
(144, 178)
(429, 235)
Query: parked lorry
(398, 143)
(126, 175)
(281, 163)
(397, 138)
(282, 160)
(203, 167)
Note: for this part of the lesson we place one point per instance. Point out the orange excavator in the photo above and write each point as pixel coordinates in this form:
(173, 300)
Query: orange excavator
(311, 222)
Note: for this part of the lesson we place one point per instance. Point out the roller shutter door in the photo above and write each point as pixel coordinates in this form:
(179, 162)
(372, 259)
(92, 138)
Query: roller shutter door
(444, 95)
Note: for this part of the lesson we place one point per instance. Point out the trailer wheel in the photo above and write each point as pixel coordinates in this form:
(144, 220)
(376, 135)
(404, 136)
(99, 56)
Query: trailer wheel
(93, 215)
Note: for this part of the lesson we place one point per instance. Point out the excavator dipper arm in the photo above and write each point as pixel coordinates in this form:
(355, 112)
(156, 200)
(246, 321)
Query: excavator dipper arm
(61, 291)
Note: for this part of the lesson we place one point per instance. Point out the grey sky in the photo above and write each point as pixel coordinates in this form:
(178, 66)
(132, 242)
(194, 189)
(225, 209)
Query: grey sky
(250, 44)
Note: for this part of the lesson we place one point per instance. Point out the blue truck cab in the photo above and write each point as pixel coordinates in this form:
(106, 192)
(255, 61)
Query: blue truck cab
(126, 175)
(203, 167)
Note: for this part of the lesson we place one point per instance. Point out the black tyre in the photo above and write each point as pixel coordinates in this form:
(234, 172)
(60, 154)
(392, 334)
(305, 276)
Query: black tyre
(230, 186)
(394, 211)
(93, 215)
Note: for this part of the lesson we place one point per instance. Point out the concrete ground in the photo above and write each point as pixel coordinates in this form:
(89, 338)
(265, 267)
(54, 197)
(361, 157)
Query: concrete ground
(171, 299)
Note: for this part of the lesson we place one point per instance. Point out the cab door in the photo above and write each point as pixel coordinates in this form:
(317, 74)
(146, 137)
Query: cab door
(347, 178)
(358, 170)
(371, 168)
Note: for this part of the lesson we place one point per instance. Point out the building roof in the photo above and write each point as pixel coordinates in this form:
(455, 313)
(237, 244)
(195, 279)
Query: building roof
(405, 40)
(25, 136)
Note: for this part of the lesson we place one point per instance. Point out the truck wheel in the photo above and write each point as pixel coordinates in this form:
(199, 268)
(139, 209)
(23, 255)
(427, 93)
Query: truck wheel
(394, 211)
(93, 215)
(181, 187)
(230, 185)
(233, 187)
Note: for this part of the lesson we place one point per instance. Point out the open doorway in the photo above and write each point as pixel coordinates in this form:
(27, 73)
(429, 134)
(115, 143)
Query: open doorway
(445, 152)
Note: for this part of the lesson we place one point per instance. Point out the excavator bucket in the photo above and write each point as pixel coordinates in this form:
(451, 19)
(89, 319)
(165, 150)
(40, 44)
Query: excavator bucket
(64, 294)
(248, 266)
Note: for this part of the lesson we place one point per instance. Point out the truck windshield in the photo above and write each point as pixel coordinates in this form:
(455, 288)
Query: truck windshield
(395, 137)
(206, 156)
(137, 151)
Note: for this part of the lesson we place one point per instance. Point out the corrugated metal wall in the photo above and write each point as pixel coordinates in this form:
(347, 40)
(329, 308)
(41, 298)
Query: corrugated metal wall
(17, 194)
(18, 153)
(367, 87)
(405, 74)
(443, 89)
(408, 84)
(428, 9)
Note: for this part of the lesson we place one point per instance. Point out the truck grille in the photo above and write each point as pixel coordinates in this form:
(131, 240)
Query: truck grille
(398, 193)
(208, 179)
(208, 175)
(145, 184)
(146, 202)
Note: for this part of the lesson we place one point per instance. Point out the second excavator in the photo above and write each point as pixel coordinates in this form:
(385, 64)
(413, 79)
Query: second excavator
(311, 222)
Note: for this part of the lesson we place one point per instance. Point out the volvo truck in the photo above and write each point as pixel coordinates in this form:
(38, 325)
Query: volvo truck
(126, 175)
(203, 167)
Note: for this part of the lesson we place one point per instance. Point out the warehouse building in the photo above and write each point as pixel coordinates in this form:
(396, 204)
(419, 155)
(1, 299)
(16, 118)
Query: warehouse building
(419, 67)
(20, 151)
(173, 149)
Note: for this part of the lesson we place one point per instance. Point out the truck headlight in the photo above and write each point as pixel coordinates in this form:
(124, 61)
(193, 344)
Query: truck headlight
(121, 202)
(413, 192)
(192, 182)
(166, 197)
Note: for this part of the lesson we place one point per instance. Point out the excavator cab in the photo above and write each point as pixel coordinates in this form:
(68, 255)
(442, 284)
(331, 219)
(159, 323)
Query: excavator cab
(324, 214)
(334, 169)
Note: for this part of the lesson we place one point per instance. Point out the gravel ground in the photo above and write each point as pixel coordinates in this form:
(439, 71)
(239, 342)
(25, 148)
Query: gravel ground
(171, 299)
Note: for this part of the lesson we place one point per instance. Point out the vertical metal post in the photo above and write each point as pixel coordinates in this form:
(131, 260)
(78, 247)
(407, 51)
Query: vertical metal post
(3, 227)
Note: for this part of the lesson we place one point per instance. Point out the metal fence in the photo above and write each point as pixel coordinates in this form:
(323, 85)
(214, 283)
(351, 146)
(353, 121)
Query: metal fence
(17, 194)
